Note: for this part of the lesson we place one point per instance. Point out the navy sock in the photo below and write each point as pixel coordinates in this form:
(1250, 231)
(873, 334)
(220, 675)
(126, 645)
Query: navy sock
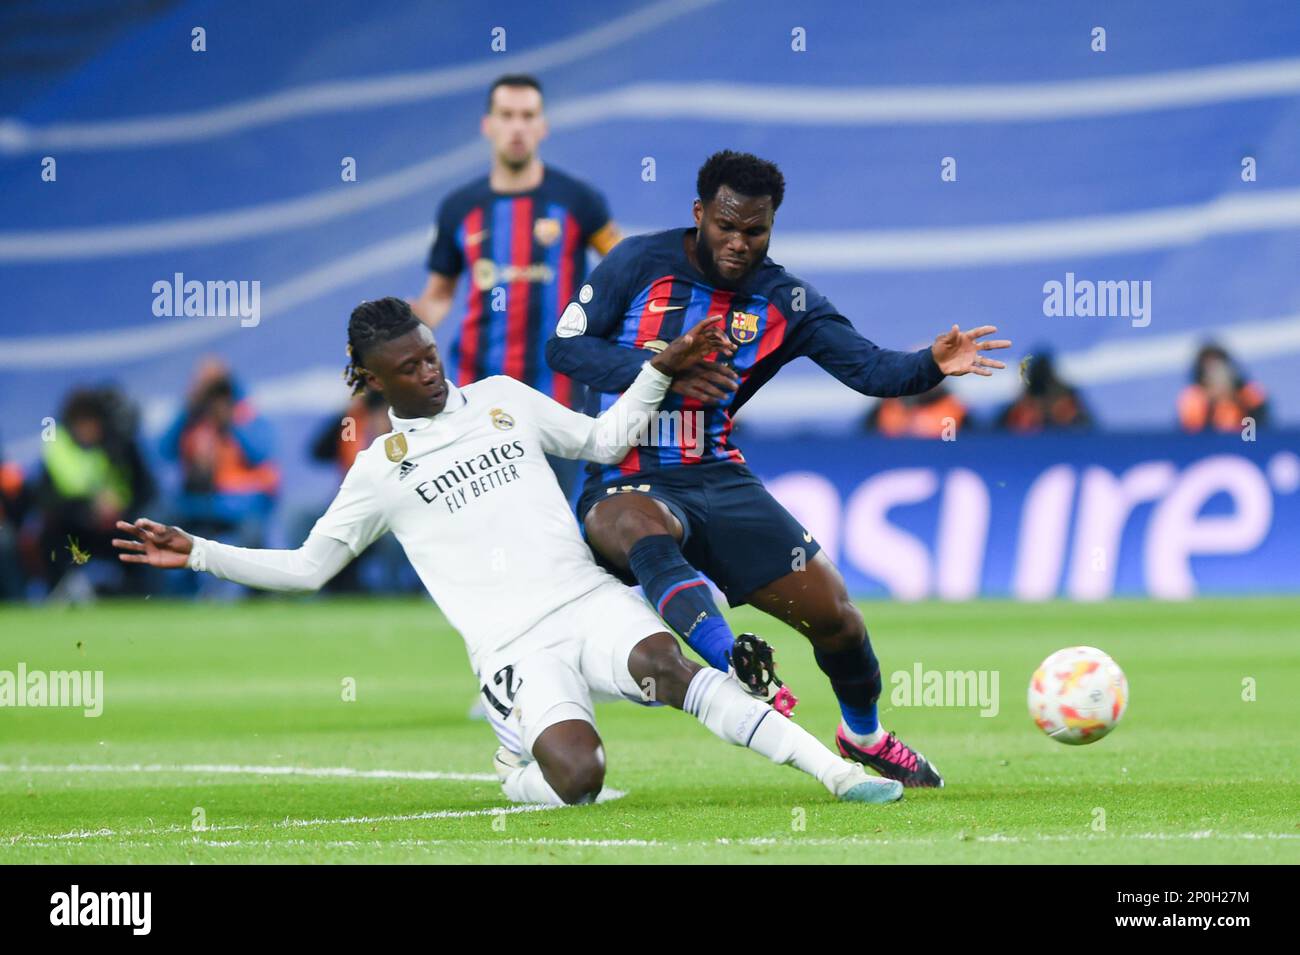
(682, 597)
(855, 678)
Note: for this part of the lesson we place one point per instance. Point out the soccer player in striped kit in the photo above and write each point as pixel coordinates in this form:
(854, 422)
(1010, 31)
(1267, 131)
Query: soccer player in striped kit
(674, 510)
(520, 234)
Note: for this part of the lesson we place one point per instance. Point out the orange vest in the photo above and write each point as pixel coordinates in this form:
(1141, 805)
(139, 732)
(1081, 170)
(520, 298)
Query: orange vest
(11, 480)
(1196, 412)
(231, 472)
(11, 484)
(1030, 413)
(897, 419)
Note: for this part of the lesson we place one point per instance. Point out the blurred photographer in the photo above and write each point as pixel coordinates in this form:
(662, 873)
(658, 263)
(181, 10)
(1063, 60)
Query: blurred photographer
(1219, 396)
(224, 448)
(91, 474)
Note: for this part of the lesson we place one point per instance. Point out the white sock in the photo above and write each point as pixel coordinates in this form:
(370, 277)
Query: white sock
(527, 785)
(728, 712)
(865, 740)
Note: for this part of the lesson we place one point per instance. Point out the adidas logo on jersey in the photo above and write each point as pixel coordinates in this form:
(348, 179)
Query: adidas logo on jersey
(406, 468)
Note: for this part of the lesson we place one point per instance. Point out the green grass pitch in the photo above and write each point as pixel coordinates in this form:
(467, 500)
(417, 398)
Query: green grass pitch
(199, 696)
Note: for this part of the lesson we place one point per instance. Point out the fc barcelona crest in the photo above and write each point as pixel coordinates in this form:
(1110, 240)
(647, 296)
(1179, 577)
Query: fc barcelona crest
(484, 274)
(395, 447)
(546, 231)
(744, 327)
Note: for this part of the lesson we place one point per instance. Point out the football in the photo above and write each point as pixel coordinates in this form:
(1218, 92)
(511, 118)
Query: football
(1077, 695)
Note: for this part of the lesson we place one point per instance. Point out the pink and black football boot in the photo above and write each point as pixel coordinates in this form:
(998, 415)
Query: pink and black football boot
(893, 759)
(751, 661)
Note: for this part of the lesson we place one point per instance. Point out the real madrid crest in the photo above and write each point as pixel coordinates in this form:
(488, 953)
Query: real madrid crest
(501, 420)
(395, 447)
(546, 231)
(744, 326)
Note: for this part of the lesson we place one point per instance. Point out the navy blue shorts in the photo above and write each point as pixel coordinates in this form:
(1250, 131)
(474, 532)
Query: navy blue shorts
(734, 531)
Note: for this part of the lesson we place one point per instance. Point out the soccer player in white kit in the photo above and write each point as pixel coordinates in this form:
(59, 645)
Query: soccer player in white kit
(462, 482)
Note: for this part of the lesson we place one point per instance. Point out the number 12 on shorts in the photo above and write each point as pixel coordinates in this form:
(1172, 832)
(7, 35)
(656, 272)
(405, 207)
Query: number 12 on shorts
(504, 678)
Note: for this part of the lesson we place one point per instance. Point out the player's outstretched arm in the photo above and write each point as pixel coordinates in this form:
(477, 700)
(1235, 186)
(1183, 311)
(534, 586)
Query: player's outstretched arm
(834, 344)
(867, 368)
(304, 570)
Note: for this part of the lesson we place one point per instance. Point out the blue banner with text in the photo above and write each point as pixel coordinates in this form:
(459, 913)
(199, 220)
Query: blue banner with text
(1083, 517)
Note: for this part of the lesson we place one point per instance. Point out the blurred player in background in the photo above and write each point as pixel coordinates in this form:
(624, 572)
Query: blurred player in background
(663, 512)
(521, 232)
(461, 481)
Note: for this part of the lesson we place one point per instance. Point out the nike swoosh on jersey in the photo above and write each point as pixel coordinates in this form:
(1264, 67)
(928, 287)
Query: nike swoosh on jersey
(655, 307)
(476, 238)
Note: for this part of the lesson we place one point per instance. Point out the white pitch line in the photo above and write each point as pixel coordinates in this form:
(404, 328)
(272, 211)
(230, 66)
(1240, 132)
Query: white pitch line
(755, 842)
(332, 772)
(1005, 839)
(608, 794)
(418, 843)
(81, 835)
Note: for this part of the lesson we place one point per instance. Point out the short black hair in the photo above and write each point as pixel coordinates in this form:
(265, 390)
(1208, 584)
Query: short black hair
(221, 387)
(371, 324)
(513, 79)
(744, 173)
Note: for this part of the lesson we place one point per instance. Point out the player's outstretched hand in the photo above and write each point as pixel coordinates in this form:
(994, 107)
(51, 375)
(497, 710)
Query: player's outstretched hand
(958, 353)
(154, 544)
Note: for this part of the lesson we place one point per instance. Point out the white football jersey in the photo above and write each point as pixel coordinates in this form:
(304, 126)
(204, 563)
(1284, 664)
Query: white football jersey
(473, 502)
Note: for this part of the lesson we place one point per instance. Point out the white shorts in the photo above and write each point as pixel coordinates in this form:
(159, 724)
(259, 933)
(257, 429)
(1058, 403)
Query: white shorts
(572, 657)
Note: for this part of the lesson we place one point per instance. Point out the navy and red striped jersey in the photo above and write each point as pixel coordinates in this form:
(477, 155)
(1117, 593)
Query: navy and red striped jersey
(646, 293)
(525, 253)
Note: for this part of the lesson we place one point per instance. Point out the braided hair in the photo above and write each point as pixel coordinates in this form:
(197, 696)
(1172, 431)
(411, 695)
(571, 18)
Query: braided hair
(371, 324)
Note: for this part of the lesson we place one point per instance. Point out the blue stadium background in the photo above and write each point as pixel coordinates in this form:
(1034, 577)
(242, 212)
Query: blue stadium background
(225, 165)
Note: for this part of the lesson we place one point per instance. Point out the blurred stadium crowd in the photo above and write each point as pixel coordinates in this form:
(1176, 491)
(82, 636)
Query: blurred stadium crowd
(1219, 397)
(222, 458)
(220, 455)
